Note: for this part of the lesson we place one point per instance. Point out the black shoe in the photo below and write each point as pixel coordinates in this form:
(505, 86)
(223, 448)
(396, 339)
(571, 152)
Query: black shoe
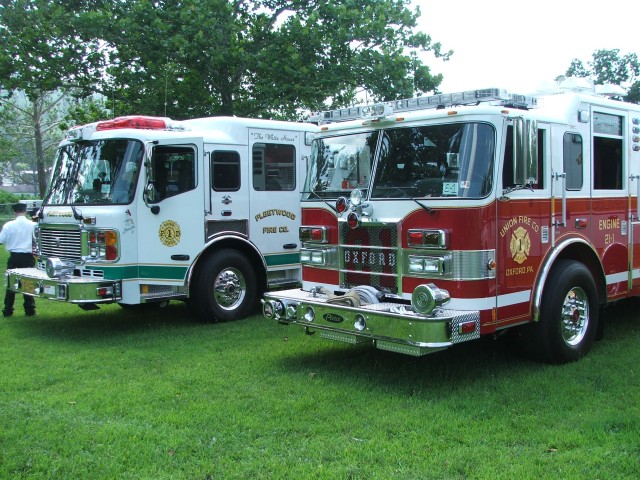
(30, 313)
(7, 313)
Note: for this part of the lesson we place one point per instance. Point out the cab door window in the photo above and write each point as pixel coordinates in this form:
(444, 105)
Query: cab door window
(607, 152)
(572, 160)
(274, 167)
(225, 171)
(173, 171)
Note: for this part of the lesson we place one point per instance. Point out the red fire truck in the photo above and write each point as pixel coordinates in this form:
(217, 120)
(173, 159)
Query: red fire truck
(436, 220)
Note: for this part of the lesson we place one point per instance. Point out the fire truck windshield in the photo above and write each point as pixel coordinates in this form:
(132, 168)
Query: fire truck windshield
(339, 164)
(436, 161)
(96, 172)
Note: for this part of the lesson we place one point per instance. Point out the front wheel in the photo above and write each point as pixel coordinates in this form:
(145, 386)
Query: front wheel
(568, 314)
(225, 287)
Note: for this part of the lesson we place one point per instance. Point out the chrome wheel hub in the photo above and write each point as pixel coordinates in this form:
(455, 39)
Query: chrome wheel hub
(575, 316)
(229, 289)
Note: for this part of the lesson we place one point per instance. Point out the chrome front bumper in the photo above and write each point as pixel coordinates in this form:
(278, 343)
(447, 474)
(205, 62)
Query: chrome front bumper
(35, 282)
(388, 326)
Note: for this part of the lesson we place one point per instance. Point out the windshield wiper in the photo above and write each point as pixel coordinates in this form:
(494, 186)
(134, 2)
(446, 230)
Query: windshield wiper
(49, 194)
(431, 211)
(515, 188)
(320, 198)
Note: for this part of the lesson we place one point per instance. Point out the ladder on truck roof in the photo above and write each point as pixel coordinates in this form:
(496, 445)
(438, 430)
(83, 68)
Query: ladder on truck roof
(492, 96)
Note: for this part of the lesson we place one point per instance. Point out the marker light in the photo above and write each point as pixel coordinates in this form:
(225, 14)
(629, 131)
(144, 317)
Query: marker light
(313, 234)
(427, 238)
(353, 220)
(111, 245)
(466, 328)
(341, 204)
(104, 292)
(103, 244)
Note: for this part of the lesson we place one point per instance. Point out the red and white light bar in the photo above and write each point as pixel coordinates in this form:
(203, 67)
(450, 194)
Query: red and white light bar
(137, 122)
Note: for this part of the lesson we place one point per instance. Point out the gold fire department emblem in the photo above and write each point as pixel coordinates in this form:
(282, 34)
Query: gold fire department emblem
(520, 245)
(169, 233)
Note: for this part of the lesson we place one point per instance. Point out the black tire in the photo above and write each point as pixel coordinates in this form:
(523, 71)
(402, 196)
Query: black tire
(568, 315)
(225, 287)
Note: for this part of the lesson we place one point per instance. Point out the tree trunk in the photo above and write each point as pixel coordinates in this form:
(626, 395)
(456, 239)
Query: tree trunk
(39, 148)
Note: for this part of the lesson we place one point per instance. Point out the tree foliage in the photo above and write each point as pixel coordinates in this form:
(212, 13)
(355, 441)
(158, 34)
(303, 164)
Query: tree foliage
(47, 45)
(47, 51)
(188, 58)
(30, 133)
(610, 67)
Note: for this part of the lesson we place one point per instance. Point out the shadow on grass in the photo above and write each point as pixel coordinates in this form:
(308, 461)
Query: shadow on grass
(482, 360)
(622, 319)
(69, 322)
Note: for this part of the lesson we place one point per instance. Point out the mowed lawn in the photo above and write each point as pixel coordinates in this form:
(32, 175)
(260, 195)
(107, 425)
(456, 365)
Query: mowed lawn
(118, 394)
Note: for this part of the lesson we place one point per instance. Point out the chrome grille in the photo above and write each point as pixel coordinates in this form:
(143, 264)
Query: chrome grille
(369, 256)
(61, 243)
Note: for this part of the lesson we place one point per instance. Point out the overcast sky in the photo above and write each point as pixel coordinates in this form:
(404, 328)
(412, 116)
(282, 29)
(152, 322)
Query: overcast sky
(520, 45)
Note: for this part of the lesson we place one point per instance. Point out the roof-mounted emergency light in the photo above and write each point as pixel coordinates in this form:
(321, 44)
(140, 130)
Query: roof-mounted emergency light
(376, 111)
(491, 96)
(78, 133)
(141, 123)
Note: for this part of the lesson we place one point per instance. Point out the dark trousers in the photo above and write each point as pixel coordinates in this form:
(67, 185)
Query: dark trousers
(19, 260)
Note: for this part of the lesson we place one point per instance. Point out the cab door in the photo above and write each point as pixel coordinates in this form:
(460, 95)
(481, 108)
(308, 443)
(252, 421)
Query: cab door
(523, 226)
(634, 238)
(633, 164)
(276, 173)
(170, 223)
(228, 197)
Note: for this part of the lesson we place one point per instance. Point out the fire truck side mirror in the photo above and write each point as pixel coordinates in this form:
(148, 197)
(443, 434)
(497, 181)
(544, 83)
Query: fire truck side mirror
(525, 151)
(150, 193)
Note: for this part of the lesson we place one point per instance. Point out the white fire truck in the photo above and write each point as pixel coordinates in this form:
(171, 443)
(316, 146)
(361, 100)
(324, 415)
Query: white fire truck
(435, 220)
(143, 210)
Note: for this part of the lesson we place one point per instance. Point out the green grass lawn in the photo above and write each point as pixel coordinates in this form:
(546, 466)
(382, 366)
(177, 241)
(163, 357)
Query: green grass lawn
(118, 394)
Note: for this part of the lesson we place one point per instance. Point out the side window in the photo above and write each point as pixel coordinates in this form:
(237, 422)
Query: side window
(173, 171)
(572, 160)
(541, 150)
(607, 152)
(225, 171)
(274, 167)
(507, 168)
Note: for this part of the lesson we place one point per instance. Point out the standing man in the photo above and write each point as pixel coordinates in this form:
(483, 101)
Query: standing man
(16, 235)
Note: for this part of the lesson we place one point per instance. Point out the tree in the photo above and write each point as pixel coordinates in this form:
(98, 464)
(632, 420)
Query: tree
(609, 67)
(185, 58)
(29, 133)
(47, 117)
(46, 50)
